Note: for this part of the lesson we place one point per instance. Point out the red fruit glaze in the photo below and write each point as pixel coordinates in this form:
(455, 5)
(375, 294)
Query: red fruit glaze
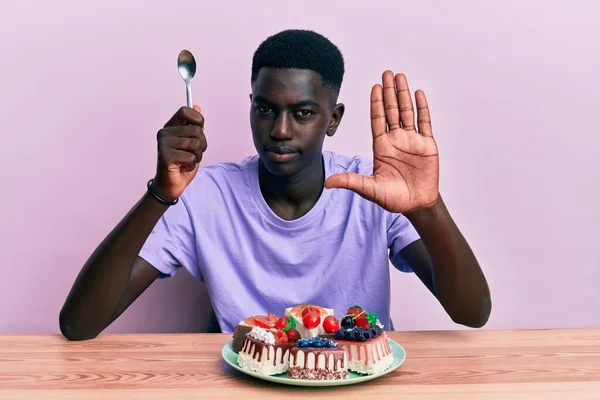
(281, 323)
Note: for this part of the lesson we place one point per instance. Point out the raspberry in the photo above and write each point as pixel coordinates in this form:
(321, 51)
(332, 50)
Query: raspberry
(361, 321)
(293, 335)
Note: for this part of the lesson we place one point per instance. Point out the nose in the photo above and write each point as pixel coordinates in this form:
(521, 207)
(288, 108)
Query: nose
(282, 128)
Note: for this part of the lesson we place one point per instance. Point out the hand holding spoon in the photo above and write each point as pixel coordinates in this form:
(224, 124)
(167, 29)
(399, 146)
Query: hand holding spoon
(186, 64)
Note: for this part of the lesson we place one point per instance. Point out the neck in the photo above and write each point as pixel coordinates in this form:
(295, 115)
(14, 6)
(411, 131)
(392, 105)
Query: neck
(291, 197)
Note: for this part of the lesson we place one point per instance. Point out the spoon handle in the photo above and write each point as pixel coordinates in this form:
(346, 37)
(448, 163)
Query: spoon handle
(188, 92)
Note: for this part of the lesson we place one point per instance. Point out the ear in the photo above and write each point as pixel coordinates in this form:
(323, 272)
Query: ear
(336, 119)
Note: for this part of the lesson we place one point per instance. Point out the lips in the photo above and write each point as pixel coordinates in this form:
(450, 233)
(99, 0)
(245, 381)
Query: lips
(281, 154)
(280, 150)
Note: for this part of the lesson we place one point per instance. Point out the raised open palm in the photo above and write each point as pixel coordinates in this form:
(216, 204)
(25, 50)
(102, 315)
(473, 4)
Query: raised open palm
(405, 160)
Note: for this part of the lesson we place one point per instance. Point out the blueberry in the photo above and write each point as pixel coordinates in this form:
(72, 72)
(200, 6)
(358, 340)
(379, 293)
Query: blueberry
(317, 344)
(373, 331)
(355, 334)
(348, 322)
(331, 344)
(365, 335)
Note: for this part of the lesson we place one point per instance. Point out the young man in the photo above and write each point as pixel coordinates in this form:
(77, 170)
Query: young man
(292, 224)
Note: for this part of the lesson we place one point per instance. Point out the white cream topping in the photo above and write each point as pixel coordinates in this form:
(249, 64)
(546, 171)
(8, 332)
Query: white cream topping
(379, 324)
(262, 335)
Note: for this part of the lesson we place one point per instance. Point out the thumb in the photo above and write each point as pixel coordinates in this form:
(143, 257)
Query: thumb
(197, 108)
(361, 184)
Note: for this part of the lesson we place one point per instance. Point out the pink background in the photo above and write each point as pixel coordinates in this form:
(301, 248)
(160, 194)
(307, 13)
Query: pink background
(513, 89)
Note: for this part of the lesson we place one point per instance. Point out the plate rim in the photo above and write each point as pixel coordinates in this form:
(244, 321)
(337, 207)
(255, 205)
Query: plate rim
(316, 383)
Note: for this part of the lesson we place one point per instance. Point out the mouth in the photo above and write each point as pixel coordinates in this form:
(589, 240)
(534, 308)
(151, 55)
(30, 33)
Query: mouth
(281, 154)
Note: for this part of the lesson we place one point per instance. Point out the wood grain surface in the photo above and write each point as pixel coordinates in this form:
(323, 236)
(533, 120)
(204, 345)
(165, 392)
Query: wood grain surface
(525, 364)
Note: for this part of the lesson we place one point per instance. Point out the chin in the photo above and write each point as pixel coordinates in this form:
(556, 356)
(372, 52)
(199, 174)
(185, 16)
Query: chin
(279, 169)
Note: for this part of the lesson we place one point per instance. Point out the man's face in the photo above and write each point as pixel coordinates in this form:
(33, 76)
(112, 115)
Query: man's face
(290, 114)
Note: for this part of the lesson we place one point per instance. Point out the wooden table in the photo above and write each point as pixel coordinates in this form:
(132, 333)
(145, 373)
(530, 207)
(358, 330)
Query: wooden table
(528, 364)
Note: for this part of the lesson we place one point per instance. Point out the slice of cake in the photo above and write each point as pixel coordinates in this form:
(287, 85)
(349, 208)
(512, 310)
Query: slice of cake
(318, 359)
(245, 326)
(309, 319)
(264, 352)
(362, 337)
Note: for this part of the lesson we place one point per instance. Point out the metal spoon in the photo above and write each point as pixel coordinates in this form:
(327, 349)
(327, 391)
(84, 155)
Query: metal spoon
(186, 64)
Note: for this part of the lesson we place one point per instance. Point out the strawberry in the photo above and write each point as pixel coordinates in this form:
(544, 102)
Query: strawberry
(331, 324)
(293, 335)
(311, 320)
(354, 310)
(272, 318)
(281, 337)
(281, 323)
(261, 324)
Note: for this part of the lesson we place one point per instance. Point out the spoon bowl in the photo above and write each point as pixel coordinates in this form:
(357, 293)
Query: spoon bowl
(186, 64)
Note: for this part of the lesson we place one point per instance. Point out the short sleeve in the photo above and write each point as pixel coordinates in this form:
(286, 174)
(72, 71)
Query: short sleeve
(400, 233)
(172, 243)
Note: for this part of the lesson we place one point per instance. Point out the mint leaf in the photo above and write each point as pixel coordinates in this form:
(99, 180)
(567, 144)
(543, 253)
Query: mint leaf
(371, 318)
(291, 324)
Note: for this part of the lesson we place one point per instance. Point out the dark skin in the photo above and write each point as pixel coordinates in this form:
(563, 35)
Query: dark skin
(291, 114)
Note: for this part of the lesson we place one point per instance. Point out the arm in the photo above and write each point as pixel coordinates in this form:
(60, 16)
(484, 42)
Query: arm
(405, 180)
(445, 263)
(114, 275)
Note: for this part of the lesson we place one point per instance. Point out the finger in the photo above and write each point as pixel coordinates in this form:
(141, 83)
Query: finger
(191, 144)
(423, 117)
(361, 184)
(182, 143)
(180, 131)
(378, 122)
(390, 101)
(182, 158)
(186, 116)
(407, 113)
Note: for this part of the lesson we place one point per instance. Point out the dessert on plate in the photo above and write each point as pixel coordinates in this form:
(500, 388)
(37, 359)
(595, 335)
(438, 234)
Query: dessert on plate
(266, 352)
(310, 319)
(318, 359)
(362, 337)
(245, 326)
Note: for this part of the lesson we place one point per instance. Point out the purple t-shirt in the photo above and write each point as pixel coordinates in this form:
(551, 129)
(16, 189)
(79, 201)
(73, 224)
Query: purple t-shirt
(253, 262)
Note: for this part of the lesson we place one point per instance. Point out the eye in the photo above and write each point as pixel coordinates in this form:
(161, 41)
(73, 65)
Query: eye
(264, 109)
(304, 113)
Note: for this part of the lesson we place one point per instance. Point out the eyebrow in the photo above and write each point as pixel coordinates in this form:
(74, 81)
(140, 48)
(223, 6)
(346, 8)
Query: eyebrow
(301, 103)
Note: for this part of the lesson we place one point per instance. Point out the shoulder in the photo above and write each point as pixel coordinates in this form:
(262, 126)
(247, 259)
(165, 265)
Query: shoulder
(221, 179)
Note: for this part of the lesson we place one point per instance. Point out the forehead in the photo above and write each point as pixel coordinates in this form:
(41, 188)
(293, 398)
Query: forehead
(282, 85)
